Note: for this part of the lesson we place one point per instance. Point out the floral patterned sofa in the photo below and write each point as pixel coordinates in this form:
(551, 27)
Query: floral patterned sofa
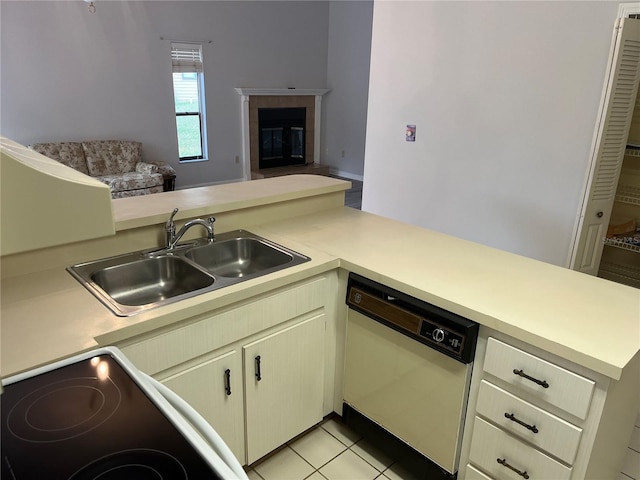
(118, 163)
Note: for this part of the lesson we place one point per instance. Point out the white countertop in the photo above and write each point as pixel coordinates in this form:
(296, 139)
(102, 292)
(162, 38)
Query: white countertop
(146, 210)
(586, 320)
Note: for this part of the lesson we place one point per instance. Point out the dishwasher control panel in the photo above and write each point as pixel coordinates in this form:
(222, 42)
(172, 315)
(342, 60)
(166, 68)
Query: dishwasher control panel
(438, 328)
(442, 335)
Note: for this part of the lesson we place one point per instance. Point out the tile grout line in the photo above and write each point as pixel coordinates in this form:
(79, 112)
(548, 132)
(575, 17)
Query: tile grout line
(380, 472)
(307, 461)
(347, 447)
(327, 462)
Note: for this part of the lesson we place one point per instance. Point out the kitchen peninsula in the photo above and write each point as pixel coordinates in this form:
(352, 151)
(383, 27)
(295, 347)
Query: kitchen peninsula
(571, 317)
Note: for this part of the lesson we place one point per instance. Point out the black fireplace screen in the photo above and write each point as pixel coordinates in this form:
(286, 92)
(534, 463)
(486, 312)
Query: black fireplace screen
(282, 136)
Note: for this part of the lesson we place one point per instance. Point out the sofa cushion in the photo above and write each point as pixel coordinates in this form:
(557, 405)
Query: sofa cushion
(131, 181)
(67, 153)
(111, 157)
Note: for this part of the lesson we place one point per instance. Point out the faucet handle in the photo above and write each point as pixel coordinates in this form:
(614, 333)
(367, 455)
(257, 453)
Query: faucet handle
(170, 229)
(170, 223)
(210, 234)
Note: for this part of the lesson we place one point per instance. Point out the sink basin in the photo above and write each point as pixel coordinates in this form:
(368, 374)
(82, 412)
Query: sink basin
(150, 280)
(238, 257)
(138, 281)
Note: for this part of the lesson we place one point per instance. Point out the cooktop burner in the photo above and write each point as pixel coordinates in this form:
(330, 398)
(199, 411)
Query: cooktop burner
(141, 464)
(63, 410)
(91, 420)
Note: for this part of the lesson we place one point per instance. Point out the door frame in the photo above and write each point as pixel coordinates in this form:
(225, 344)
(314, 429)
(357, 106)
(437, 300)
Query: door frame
(625, 10)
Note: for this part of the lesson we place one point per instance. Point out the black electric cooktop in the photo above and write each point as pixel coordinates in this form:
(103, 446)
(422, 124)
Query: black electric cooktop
(91, 420)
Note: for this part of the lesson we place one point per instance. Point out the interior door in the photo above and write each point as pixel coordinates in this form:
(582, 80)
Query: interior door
(612, 130)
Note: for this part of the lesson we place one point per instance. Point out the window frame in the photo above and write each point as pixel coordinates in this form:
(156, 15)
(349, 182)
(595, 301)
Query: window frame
(186, 57)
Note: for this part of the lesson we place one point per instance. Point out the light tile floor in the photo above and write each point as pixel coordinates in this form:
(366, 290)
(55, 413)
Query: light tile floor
(331, 451)
(328, 452)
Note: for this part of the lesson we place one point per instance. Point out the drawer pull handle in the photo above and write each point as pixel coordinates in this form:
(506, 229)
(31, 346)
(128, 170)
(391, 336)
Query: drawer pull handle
(227, 381)
(542, 383)
(258, 374)
(513, 418)
(503, 461)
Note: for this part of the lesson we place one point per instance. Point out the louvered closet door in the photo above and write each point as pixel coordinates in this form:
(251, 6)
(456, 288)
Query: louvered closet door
(609, 146)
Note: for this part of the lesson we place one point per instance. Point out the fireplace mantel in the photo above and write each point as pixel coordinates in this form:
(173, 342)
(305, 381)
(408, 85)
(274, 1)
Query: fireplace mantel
(282, 91)
(245, 93)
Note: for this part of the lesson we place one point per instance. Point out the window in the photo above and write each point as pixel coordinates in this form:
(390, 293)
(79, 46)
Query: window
(188, 94)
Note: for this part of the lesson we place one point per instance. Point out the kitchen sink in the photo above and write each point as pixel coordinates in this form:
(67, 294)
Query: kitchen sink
(239, 257)
(150, 280)
(135, 282)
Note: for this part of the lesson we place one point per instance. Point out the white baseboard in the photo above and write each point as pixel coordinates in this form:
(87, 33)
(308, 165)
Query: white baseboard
(350, 176)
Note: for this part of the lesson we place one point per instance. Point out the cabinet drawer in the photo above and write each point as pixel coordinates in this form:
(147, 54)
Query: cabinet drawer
(473, 473)
(490, 444)
(566, 390)
(551, 434)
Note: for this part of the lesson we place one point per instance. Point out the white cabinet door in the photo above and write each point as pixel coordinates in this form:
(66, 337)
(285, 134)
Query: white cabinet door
(214, 389)
(621, 86)
(284, 377)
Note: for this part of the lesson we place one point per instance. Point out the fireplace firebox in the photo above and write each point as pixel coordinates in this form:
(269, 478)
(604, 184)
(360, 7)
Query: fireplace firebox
(282, 136)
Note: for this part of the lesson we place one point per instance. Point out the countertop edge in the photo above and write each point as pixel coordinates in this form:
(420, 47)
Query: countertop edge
(334, 240)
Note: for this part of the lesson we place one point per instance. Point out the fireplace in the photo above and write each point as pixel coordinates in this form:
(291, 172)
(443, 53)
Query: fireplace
(282, 134)
(255, 99)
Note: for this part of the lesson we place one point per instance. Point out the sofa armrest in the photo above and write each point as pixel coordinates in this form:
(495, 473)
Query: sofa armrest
(143, 167)
(165, 169)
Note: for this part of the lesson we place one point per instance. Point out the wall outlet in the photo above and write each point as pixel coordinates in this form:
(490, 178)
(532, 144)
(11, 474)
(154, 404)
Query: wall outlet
(237, 158)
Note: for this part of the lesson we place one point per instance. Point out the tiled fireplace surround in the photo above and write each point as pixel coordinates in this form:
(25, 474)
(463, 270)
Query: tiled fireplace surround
(255, 98)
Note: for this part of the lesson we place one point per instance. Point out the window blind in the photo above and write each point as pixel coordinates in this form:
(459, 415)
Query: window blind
(186, 57)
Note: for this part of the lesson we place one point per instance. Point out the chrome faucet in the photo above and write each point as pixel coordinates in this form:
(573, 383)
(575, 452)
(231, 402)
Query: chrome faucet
(173, 238)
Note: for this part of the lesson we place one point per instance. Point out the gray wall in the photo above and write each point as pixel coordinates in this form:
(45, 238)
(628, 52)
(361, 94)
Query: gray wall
(345, 121)
(69, 75)
(504, 96)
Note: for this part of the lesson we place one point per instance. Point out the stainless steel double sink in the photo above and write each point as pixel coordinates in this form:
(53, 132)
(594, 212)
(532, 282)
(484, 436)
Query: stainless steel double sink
(134, 282)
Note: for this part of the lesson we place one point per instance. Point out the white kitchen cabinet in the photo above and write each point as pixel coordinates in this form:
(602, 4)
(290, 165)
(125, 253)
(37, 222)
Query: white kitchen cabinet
(473, 473)
(286, 327)
(532, 413)
(537, 378)
(533, 424)
(502, 456)
(214, 389)
(283, 385)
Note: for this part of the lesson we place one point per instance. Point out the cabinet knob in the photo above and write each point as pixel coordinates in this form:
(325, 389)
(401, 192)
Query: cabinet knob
(599, 214)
